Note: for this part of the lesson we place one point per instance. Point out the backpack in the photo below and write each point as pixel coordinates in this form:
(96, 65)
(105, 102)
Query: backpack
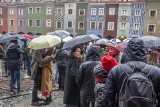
(137, 89)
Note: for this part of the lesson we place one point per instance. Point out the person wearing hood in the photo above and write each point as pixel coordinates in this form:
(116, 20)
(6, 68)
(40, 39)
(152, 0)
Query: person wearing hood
(101, 73)
(85, 79)
(136, 58)
(13, 59)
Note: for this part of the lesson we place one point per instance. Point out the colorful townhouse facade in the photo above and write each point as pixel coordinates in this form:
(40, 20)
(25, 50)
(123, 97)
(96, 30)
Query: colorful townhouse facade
(59, 11)
(49, 16)
(107, 18)
(124, 15)
(152, 18)
(137, 19)
(35, 13)
(21, 28)
(81, 18)
(12, 17)
(3, 17)
(96, 18)
(111, 20)
(70, 17)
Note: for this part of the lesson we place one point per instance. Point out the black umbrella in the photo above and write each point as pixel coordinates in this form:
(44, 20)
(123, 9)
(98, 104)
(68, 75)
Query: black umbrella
(8, 37)
(80, 40)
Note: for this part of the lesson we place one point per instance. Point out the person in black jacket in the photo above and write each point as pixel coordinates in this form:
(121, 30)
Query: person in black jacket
(135, 57)
(85, 78)
(71, 90)
(61, 60)
(13, 54)
(101, 73)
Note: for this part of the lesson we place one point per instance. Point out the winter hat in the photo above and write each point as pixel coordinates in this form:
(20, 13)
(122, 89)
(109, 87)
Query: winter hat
(108, 62)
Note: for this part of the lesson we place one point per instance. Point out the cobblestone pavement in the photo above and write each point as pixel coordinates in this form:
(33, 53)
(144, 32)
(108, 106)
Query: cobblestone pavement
(25, 100)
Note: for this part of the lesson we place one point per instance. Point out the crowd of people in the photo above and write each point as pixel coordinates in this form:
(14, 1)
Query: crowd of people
(89, 75)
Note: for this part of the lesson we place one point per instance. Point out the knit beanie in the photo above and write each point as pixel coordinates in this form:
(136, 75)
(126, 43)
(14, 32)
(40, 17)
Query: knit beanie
(108, 62)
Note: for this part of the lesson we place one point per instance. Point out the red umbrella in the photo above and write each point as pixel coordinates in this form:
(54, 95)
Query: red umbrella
(121, 46)
(27, 36)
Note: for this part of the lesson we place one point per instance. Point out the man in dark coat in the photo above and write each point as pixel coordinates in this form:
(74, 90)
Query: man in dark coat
(135, 55)
(14, 64)
(61, 60)
(85, 77)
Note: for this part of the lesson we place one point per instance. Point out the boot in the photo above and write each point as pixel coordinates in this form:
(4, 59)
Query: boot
(46, 102)
(35, 103)
(50, 98)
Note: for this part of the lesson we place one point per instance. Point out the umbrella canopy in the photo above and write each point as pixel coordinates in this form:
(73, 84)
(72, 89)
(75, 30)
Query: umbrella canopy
(8, 37)
(27, 36)
(44, 42)
(102, 41)
(127, 40)
(121, 46)
(152, 42)
(115, 40)
(61, 33)
(64, 35)
(80, 40)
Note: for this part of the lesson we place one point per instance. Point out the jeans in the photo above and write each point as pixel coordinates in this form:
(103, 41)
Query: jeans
(37, 85)
(15, 76)
(28, 65)
(57, 73)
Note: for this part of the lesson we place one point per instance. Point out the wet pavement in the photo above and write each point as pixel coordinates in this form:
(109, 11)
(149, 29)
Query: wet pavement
(25, 101)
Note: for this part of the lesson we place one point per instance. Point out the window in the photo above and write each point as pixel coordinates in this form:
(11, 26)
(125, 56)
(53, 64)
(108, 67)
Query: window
(152, 13)
(38, 10)
(70, 11)
(59, 11)
(111, 11)
(1, 22)
(110, 25)
(70, 24)
(48, 11)
(20, 23)
(30, 10)
(11, 23)
(30, 22)
(58, 24)
(136, 26)
(80, 25)
(123, 26)
(20, 11)
(100, 25)
(124, 12)
(93, 11)
(138, 12)
(93, 25)
(38, 23)
(151, 27)
(101, 11)
(81, 12)
(11, 11)
(48, 23)
(0, 10)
